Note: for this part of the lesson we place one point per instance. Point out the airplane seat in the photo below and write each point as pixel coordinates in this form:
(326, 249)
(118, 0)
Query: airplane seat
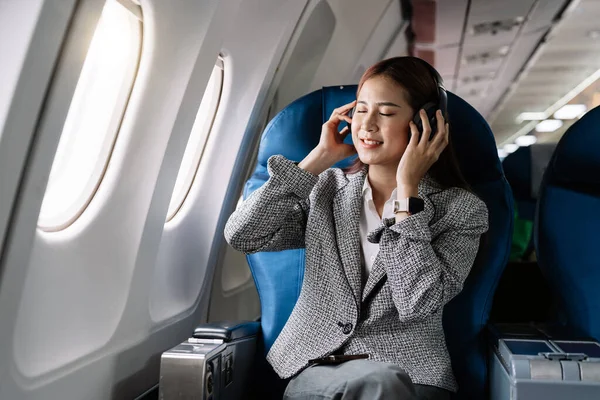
(565, 237)
(566, 225)
(295, 131)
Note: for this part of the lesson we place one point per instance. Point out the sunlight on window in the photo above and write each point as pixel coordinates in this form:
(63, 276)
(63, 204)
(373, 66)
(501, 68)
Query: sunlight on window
(197, 141)
(94, 117)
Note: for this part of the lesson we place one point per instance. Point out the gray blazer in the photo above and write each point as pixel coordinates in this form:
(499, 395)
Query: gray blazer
(396, 315)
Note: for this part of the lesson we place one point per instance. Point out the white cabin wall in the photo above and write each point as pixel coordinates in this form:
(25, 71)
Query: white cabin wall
(334, 46)
(32, 33)
(75, 304)
(234, 295)
(307, 55)
(19, 23)
(355, 22)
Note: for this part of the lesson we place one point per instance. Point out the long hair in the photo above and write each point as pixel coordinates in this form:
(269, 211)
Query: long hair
(420, 82)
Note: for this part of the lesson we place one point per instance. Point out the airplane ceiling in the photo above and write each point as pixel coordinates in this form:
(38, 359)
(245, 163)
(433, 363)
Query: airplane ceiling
(484, 48)
(570, 56)
(504, 57)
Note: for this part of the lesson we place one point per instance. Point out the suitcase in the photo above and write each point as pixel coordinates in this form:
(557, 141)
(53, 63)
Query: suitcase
(529, 362)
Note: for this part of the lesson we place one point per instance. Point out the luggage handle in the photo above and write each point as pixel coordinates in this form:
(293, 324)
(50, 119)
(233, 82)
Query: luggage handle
(564, 356)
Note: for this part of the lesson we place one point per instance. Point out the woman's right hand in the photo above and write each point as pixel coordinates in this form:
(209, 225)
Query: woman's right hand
(331, 147)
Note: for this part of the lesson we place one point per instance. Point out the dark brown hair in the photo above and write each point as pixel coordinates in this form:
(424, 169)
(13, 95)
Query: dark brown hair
(420, 82)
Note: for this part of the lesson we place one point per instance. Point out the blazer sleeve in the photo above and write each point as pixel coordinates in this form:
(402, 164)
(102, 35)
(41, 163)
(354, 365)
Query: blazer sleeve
(274, 216)
(425, 273)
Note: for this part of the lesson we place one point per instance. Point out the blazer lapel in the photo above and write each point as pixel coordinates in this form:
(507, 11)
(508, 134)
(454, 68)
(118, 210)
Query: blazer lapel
(377, 273)
(347, 204)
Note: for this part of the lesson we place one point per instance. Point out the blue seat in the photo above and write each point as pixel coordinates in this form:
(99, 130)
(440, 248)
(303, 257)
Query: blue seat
(567, 221)
(295, 131)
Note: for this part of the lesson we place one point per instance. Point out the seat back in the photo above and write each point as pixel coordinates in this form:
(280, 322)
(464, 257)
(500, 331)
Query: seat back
(517, 168)
(467, 314)
(295, 131)
(524, 170)
(567, 221)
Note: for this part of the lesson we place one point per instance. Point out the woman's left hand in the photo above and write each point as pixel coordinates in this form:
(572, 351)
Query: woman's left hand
(421, 154)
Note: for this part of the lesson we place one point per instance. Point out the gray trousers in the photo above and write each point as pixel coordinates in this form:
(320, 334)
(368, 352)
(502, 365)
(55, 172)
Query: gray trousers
(359, 380)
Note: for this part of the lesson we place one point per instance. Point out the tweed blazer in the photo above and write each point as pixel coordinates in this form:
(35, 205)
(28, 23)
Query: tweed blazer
(396, 315)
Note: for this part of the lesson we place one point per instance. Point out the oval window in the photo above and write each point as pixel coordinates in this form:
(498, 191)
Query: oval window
(94, 116)
(197, 140)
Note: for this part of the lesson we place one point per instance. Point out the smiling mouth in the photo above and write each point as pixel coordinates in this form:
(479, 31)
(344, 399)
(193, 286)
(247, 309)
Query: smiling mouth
(370, 142)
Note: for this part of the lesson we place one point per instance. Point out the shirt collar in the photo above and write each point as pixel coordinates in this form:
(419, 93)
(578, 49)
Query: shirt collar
(367, 191)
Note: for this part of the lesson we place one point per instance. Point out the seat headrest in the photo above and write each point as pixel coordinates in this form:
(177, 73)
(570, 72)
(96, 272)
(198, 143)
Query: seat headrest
(518, 172)
(477, 154)
(575, 164)
(295, 131)
(525, 167)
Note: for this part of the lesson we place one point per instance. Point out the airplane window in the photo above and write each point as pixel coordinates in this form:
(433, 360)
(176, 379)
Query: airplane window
(198, 137)
(94, 116)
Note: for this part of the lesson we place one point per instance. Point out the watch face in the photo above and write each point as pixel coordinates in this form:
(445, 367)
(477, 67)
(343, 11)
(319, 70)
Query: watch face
(400, 206)
(415, 205)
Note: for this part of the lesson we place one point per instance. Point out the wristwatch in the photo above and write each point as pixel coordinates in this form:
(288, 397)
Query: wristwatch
(410, 205)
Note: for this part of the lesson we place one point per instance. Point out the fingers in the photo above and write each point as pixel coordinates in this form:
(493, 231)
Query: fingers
(414, 134)
(347, 119)
(426, 129)
(344, 132)
(436, 146)
(343, 109)
(440, 121)
(441, 139)
(335, 119)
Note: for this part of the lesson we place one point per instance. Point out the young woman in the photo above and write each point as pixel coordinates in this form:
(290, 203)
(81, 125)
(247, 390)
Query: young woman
(378, 272)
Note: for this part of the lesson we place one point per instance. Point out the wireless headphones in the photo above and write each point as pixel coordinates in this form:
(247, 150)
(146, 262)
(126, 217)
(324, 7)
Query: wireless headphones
(431, 108)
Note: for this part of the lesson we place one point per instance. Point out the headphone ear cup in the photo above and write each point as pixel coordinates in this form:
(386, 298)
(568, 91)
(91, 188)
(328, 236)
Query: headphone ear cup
(430, 109)
(417, 121)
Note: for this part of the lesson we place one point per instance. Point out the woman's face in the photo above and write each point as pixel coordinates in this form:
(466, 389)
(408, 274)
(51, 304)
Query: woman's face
(380, 122)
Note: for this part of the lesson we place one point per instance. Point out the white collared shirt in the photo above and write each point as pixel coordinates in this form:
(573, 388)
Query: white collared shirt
(369, 221)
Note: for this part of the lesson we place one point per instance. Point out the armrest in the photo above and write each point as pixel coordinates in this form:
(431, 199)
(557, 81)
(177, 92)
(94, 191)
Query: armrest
(202, 367)
(227, 330)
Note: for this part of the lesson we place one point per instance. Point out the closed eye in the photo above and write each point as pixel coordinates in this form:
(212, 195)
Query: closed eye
(382, 114)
